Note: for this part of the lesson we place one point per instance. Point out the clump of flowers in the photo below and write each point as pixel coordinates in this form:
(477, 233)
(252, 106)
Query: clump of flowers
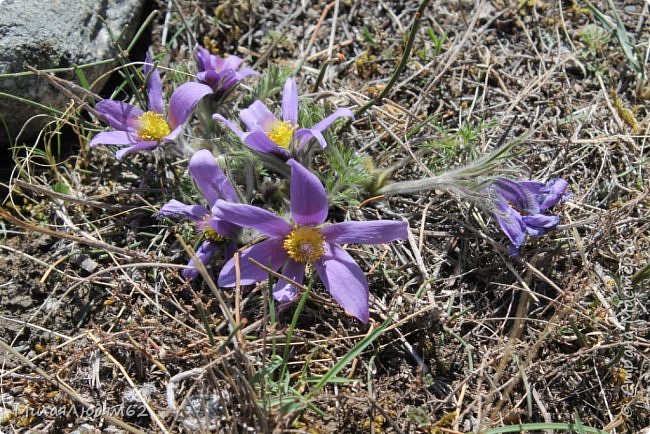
(305, 243)
(213, 185)
(291, 246)
(138, 130)
(270, 135)
(519, 207)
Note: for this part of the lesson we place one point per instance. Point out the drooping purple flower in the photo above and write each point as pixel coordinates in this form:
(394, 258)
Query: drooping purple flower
(217, 75)
(213, 185)
(138, 130)
(268, 134)
(220, 73)
(519, 207)
(291, 246)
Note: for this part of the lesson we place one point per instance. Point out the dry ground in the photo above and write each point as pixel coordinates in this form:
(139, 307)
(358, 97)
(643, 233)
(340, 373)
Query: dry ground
(95, 314)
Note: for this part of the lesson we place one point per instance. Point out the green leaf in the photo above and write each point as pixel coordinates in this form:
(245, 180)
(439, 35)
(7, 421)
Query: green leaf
(526, 427)
(61, 187)
(349, 357)
(336, 380)
(641, 275)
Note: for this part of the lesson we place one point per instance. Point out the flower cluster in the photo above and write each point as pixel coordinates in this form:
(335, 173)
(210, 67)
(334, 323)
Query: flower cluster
(305, 242)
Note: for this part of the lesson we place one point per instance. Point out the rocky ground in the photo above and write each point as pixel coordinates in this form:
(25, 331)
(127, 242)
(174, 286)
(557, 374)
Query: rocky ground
(101, 334)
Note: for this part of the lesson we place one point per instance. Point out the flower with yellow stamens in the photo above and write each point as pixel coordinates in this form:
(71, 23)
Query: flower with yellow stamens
(137, 130)
(290, 247)
(217, 233)
(268, 134)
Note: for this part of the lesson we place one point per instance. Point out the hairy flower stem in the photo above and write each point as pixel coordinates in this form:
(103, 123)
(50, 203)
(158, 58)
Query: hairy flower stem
(400, 66)
(464, 179)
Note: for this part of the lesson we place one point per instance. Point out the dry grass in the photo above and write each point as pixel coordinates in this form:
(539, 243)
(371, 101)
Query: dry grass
(97, 320)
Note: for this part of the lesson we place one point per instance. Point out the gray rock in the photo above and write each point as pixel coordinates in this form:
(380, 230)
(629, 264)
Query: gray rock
(49, 34)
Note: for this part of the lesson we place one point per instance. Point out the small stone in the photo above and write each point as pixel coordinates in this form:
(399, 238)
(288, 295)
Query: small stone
(56, 34)
(88, 265)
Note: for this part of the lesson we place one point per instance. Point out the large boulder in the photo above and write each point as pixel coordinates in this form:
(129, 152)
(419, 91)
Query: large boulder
(48, 34)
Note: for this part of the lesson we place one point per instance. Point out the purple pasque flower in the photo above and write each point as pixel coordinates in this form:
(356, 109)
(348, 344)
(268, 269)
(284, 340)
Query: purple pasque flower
(217, 74)
(213, 185)
(291, 246)
(138, 130)
(268, 134)
(220, 73)
(519, 207)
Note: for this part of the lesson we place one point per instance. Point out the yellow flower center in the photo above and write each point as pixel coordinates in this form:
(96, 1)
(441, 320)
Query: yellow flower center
(304, 244)
(208, 232)
(282, 133)
(153, 127)
(212, 235)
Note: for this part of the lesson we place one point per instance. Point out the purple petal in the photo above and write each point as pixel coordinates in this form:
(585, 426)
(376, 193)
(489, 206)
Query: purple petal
(117, 114)
(172, 136)
(230, 124)
(183, 101)
(268, 252)
(290, 102)
(227, 80)
(344, 280)
(210, 179)
(284, 291)
(304, 135)
(329, 120)
(520, 196)
(554, 192)
(316, 131)
(245, 72)
(370, 232)
(538, 224)
(222, 227)
(258, 117)
(154, 86)
(258, 141)
(113, 138)
(212, 78)
(203, 57)
(308, 197)
(140, 146)
(204, 254)
(175, 208)
(249, 216)
(511, 223)
(231, 62)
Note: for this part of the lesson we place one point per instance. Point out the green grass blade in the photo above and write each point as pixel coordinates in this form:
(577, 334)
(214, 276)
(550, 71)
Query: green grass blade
(349, 357)
(541, 426)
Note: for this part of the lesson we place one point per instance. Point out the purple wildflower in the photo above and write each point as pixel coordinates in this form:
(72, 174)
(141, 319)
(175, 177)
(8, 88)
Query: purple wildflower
(217, 74)
(214, 185)
(293, 246)
(221, 74)
(519, 207)
(268, 134)
(139, 130)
